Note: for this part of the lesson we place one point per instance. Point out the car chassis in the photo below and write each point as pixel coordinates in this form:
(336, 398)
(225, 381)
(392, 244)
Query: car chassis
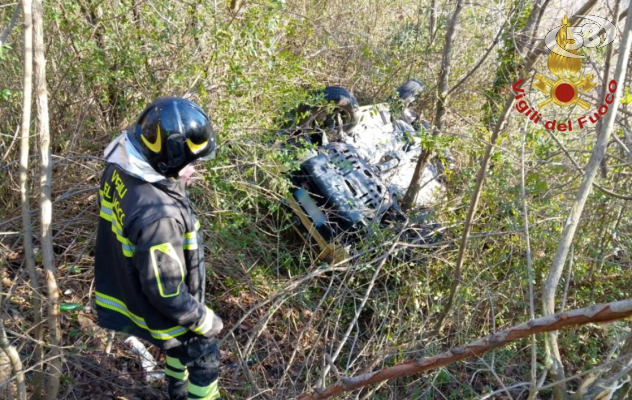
(354, 169)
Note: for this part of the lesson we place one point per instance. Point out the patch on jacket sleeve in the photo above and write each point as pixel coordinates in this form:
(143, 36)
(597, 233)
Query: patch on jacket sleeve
(167, 268)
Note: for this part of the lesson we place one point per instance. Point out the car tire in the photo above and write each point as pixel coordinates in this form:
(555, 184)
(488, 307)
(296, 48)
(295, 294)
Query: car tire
(409, 91)
(344, 103)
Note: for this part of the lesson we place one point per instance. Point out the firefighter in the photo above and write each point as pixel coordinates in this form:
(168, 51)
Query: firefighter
(149, 256)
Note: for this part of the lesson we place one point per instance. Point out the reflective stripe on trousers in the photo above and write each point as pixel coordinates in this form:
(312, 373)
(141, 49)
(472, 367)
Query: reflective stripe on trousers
(175, 371)
(192, 370)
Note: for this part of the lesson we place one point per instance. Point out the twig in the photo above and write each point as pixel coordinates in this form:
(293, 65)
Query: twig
(555, 272)
(358, 310)
(499, 391)
(16, 363)
(15, 137)
(484, 57)
(307, 325)
(580, 170)
(623, 146)
(604, 387)
(627, 136)
(331, 364)
(317, 52)
(444, 74)
(59, 199)
(601, 313)
(14, 19)
(442, 97)
(568, 278)
(490, 368)
(527, 240)
(604, 89)
(480, 178)
(288, 289)
(244, 364)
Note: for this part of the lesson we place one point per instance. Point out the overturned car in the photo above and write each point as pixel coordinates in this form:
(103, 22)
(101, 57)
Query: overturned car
(356, 162)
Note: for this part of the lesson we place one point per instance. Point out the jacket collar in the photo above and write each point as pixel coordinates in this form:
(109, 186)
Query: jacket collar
(122, 153)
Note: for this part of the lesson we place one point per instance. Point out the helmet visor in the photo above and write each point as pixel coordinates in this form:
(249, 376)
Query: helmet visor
(207, 157)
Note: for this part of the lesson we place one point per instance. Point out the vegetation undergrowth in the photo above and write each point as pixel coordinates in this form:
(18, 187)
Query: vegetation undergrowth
(249, 63)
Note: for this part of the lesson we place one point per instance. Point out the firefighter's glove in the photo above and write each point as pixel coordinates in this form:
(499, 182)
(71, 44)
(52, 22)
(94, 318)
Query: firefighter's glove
(211, 325)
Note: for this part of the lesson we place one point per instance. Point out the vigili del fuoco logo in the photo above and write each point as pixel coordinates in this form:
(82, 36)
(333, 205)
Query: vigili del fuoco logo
(569, 85)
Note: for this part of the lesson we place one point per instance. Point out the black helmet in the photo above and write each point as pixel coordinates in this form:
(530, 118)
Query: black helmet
(171, 133)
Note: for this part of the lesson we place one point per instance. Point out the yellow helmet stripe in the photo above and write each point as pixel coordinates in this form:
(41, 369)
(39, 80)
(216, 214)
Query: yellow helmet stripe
(157, 145)
(196, 148)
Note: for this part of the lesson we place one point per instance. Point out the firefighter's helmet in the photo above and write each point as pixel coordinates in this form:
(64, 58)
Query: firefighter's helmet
(171, 133)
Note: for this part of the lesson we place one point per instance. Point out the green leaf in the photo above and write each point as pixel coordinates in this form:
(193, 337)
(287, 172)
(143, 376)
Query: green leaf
(536, 182)
(627, 99)
(70, 307)
(5, 94)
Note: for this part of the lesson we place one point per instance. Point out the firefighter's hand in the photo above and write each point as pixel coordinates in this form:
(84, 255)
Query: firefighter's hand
(216, 327)
(186, 174)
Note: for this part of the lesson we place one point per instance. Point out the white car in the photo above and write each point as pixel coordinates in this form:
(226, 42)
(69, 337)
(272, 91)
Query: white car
(357, 162)
(393, 147)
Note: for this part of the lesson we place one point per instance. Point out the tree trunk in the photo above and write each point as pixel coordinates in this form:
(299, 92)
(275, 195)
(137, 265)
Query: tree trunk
(433, 20)
(14, 359)
(27, 229)
(235, 5)
(14, 18)
(527, 242)
(536, 51)
(480, 178)
(595, 314)
(606, 386)
(52, 380)
(408, 201)
(446, 66)
(555, 272)
(604, 89)
(442, 93)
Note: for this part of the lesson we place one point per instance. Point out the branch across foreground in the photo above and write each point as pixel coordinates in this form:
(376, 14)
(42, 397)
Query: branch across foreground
(601, 313)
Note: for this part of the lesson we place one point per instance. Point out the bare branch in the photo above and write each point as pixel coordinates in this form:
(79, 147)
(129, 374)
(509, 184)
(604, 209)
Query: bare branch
(480, 61)
(580, 170)
(595, 314)
(27, 226)
(7, 30)
(358, 311)
(539, 50)
(433, 20)
(604, 89)
(527, 239)
(24, 191)
(46, 177)
(555, 272)
(480, 178)
(16, 363)
(446, 65)
(442, 95)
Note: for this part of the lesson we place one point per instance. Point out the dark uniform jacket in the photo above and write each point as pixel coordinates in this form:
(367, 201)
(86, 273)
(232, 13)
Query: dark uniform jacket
(149, 260)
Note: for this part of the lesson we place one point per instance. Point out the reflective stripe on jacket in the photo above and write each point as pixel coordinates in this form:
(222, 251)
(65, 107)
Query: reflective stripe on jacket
(149, 260)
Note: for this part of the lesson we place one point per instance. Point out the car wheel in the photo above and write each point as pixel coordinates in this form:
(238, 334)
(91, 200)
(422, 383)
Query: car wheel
(409, 91)
(344, 113)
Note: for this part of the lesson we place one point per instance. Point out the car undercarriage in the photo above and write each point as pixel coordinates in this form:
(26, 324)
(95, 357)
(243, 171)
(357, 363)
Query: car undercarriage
(356, 164)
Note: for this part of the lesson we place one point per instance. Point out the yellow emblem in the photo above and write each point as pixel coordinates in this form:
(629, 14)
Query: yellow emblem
(570, 83)
(157, 145)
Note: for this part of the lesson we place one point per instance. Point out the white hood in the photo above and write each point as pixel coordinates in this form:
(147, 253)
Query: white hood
(123, 153)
